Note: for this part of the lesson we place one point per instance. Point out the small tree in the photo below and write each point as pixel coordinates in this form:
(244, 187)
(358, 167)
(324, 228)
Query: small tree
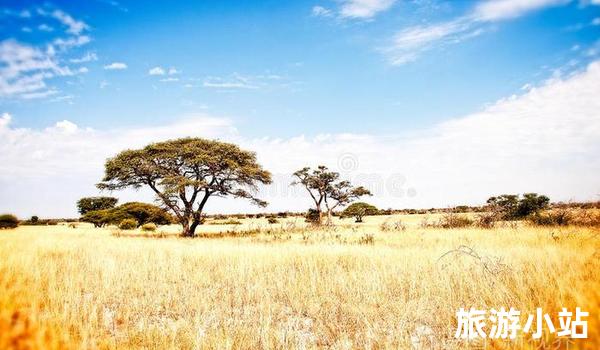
(531, 203)
(324, 188)
(185, 173)
(360, 209)
(88, 204)
(34, 220)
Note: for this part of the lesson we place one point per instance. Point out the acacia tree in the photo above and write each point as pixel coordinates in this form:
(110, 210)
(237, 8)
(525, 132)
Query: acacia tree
(87, 204)
(324, 187)
(185, 173)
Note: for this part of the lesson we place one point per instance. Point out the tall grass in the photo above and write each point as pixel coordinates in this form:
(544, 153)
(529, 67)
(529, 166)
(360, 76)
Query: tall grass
(85, 288)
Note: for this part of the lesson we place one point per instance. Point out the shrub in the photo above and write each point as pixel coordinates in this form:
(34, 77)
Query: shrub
(396, 225)
(272, 220)
(8, 221)
(128, 224)
(451, 220)
(312, 216)
(565, 217)
(486, 220)
(141, 212)
(151, 227)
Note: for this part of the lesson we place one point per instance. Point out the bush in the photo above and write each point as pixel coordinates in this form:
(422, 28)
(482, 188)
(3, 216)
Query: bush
(312, 216)
(8, 221)
(486, 220)
(565, 217)
(228, 222)
(272, 220)
(128, 224)
(151, 227)
(396, 225)
(451, 220)
(141, 212)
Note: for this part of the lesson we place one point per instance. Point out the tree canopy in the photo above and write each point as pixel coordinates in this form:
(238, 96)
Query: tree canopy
(511, 206)
(360, 209)
(185, 173)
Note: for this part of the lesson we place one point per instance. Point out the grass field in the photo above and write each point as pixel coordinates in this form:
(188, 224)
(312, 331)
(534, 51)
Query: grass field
(289, 287)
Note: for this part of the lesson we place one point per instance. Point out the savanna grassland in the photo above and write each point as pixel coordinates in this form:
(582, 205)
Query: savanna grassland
(287, 286)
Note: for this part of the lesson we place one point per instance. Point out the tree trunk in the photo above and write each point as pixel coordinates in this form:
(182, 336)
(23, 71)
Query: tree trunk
(329, 217)
(189, 229)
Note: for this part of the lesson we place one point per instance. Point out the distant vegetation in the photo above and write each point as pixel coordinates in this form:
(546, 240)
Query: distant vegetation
(142, 213)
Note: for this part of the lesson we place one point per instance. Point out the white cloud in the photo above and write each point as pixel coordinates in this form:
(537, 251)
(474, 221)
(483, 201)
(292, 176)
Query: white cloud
(156, 71)
(173, 71)
(320, 11)
(83, 70)
(45, 28)
(5, 120)
(77, 41)
(170, 79)
(74, 26)
(24, 70)
(88, 57)
(545, 140)
(364, 9)
(596, 21)
(116, 66)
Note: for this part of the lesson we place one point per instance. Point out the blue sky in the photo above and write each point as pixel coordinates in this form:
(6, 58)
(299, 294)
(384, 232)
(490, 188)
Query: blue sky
(282, 69)
(316, 73)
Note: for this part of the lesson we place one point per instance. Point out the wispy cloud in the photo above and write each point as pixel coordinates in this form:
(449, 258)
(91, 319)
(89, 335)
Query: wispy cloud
(354, 9)
(364, 9)
(25, 69)
(409, 43)
(320, 11)
(88, 57)
(116, 66)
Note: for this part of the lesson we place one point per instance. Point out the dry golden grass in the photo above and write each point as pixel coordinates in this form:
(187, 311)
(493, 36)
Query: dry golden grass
(82, 287)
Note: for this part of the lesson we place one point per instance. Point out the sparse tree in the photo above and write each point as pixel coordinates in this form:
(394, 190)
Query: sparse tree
(88, 204)
(325, 188)
(185, 173)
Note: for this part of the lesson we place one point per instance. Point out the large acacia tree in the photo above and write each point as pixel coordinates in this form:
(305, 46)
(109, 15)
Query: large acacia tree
(185, 173)
(325, 188)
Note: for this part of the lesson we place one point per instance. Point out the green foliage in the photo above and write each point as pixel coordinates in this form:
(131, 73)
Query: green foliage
(360, 209)
(141, 212)
(8, 221)
(150, 227)
(87, 204)
(34, 219)
(184, 173)
(128, 224)
(511, 207)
